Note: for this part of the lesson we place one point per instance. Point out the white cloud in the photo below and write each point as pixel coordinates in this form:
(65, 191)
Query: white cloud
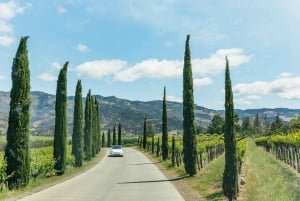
(47, 77)
(151, 68)
(99, 68)
(56, 66)
(163, 69)
(199, 83)
(215, 63)
(60, 9)
(174, 99)
(6, 40)
(285, 86)
(82, 48)
(8, 10)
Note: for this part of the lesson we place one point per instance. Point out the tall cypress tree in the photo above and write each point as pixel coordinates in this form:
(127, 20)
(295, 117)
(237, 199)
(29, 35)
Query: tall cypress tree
(189, 134)
(145, 134)
(94, 126)
(17, 148)
(108, 138)
(77, 137)
(164, 145)
(114, 135)
(103, 140)
(119, 134)
(88, 127)
(230, 175)
(60, 133)
(98, 126)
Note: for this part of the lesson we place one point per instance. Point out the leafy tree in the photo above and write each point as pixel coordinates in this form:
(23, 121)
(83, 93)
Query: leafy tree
(266, 125)
(114, 135)
(257, 124)
(230, 175)
(217, 125)
(17, 148)
(246, 126)
(295, 124)
(164, 145)
(189, 134)
(77, 137)
(88, 115)
(276, 125)
(145, 134)
(119, 134)
(60, 133)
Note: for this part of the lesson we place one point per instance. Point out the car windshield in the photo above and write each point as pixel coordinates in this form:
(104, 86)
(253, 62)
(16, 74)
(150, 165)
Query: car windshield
(116, 147)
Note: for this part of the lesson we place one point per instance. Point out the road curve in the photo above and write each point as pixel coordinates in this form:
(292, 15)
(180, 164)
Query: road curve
(130, 178)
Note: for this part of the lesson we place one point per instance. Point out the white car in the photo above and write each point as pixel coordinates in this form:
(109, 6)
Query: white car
(116, 150)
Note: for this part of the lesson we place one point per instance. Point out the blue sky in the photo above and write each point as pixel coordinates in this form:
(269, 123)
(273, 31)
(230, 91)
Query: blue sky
(131, 49)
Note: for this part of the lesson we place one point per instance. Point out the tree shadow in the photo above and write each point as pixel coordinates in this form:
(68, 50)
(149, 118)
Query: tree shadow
(216, 196)
(153, 181)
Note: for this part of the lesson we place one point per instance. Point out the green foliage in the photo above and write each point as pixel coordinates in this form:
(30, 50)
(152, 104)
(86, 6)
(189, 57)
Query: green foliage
(230, 175)
(108, 138)
(217, 125)
(60, 133)
(119, 134)
(17, 148)
(145, 134)
(164, 145)
(77, 137)
(114, 135)
(189, 133)
(103, 140)
(88, 115)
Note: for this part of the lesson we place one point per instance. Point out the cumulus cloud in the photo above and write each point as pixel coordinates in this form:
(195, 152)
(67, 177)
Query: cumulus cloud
(6, 40)
(151, 68)
(8, 10)
(99, 68)
(174, 99)
(47, 77)
(56, 66)
(82, 48)
(202, 82)
(285, 86)
(163, 69)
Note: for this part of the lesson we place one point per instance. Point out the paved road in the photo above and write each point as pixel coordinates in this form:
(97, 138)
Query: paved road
(131, 178)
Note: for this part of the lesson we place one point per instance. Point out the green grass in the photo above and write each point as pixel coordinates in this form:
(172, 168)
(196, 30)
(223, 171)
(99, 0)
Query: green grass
(269, 179)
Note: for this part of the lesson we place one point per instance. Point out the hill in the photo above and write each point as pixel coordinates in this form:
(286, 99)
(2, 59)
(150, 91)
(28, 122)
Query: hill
(129, 113)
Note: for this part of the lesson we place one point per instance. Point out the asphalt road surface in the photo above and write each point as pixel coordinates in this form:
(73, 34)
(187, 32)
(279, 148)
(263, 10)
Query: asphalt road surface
(130, 178)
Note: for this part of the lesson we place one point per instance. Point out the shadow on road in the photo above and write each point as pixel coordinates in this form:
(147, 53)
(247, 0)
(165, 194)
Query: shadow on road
(142, 164)
(151, 181)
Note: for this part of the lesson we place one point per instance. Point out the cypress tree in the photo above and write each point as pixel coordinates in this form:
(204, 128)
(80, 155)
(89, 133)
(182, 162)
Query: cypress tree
(119, 134)
(108, 138)
(230, 175)
(189, 134)
(60, 134)
(103, 140)
(173, 151)
(114, 135)
(98, 126)
(145, 134)
(77, 137)
(94, 127)
(17, 148)
(164, 145)
(88, 127)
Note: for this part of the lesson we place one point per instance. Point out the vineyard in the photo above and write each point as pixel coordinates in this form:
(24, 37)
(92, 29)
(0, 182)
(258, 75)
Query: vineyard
(284, 147)
(209, 147)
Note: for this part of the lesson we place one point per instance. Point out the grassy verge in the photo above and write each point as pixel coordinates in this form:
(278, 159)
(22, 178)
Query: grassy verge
(267, 178)
(42, 183)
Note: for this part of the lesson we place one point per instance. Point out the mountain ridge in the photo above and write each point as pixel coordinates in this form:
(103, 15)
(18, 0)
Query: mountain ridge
(129, 113)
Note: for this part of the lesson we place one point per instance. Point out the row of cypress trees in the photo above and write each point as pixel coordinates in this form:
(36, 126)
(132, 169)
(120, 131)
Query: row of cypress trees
(230, 174)
(86, 141)
(116, 139)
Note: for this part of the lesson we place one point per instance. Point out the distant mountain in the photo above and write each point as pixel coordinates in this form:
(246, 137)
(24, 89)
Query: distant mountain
(129, 113)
